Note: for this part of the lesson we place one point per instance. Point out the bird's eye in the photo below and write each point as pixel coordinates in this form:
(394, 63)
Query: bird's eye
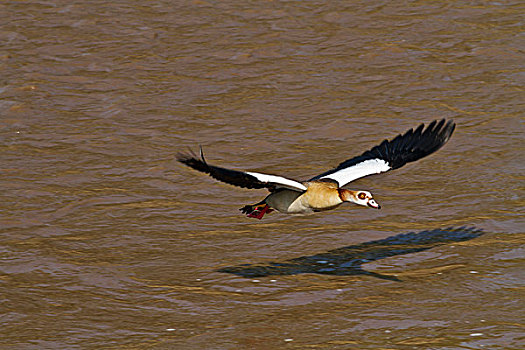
(361, 195)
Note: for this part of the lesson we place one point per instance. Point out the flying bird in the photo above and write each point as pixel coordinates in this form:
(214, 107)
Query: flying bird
(324, 191)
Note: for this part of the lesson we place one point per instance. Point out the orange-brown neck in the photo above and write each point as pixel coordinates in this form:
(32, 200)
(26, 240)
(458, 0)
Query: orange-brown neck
(347, 195)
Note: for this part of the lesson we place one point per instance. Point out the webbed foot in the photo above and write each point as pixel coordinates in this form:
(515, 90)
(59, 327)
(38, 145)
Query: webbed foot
(256, 211)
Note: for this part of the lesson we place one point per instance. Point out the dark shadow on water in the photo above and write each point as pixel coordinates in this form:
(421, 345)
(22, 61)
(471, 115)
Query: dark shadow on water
(348, 260)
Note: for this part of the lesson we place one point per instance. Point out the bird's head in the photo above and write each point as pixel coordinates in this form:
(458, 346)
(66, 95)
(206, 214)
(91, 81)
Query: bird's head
(363, 198)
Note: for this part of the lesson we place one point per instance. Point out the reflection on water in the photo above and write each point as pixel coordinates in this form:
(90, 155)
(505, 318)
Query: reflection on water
(349, 260)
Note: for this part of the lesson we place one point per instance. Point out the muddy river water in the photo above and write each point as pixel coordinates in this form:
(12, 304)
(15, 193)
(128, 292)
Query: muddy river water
(108, 243)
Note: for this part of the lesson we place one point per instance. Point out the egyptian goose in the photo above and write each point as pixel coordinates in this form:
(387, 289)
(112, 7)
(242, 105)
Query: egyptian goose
(324, 191)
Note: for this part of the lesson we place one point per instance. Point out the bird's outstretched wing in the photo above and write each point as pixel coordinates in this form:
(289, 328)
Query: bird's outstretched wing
(239, 178)
(393, 154)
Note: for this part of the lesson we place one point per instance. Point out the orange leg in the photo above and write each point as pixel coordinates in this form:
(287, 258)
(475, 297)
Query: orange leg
(260, 211)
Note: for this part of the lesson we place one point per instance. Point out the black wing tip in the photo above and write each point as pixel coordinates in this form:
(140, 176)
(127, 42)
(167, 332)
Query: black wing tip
(181, 156)
(421, 142)
(436, 127)
(440, 132)
(184, 157)
(192, 160)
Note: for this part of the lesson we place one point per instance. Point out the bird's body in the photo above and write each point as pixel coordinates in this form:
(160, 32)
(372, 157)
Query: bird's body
(324, 191)
(319, 196)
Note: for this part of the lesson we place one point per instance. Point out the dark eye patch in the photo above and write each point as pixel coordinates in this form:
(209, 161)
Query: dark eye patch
(361, 195)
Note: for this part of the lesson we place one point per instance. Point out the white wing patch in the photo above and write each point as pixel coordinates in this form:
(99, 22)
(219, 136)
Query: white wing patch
(279, 180)
(367, 167)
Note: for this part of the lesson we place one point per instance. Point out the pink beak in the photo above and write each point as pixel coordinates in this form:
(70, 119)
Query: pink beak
(373, 204)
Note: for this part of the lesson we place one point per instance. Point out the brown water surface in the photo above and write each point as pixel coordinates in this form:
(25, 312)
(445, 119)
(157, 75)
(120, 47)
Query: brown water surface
(107, 242)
